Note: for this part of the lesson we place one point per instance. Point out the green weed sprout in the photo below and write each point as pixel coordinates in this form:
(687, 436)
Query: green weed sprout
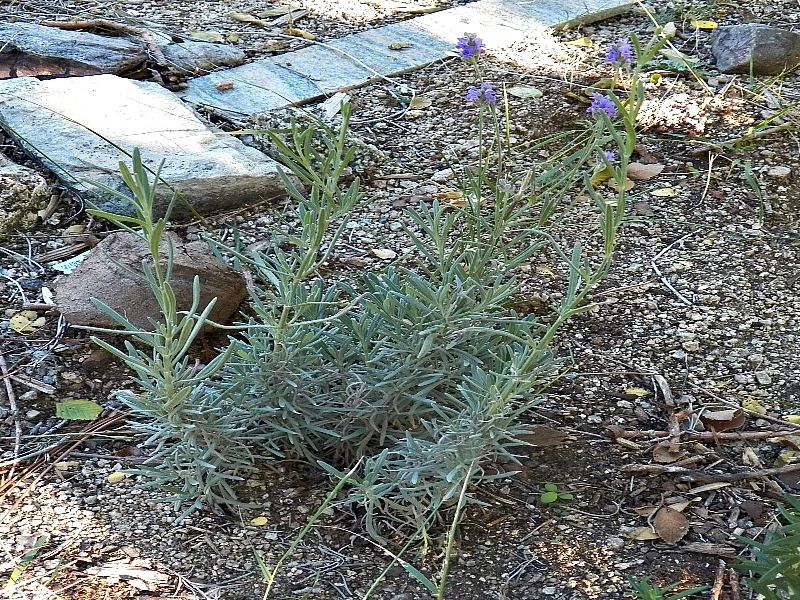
(552, 494)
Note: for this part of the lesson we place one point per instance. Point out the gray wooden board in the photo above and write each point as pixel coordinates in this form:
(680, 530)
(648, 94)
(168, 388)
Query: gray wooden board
(321, 69)
(81, 127)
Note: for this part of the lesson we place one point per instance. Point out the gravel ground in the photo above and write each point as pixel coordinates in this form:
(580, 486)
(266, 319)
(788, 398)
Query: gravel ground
(702, 297)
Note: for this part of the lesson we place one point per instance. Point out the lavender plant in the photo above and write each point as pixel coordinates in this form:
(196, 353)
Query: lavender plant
(197, 434)
(774, 565)
(420, 374)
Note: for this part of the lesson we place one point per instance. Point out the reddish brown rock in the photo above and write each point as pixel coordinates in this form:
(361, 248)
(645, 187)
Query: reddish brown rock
(113, 274)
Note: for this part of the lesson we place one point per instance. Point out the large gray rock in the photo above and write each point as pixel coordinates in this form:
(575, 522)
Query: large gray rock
(110, 274)
(199, 58)
(81, 127)
(756, 48)
(354, 60)
(22, 193)
(27, 50)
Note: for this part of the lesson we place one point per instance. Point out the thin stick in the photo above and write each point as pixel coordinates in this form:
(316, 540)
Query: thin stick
(733, 579)
(702, 435)
(692, 476)
(12, 402)
(719, 581)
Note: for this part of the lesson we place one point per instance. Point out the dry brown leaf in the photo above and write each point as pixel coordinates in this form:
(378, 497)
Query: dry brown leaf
(642, 534)
(224, 86)
(399, 45)
(664, 454)
(645, 511)
(642, 172)
(384, 253)
(614, 185)
(670, 525)
(680, 506)
(709, 487)
(543, 436)
(301, 33)
(248, 18)
(723, 420)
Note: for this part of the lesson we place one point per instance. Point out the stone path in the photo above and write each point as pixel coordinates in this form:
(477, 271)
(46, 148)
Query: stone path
(354, 60)
(81, 127)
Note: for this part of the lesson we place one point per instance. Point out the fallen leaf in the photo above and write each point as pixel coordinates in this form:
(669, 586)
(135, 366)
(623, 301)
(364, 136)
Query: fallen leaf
(710, 487)
(26, 321)
(64, 465)
(664, 454)
(116, 477)
(723, 420)
(627, 186)
(750, 458)
(399, 45)
(301, 33)
(601, 175)
(581, 42)
(642, 534)
(636, 392)
(205, 36)
(248, 18)
(753, 406)
(232, 38)
(680, 57)
(542, 436)
(452, 198)
(224, 86)
(259, 521)
(78, 410)
(704, 24)
(645, 511)
(680, 506)
(792, 419)
(643, 172)
(525, 91)
(384, 253)
(665, 192)
(418, 102)
(670, 525)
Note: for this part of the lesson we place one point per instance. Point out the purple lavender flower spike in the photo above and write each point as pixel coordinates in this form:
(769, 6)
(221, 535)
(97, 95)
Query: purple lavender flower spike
(619, 52)
(602, 104)
(485, 94)
(470, 46)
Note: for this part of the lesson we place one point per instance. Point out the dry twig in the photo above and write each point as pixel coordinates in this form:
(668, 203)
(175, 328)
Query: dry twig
(695, 476)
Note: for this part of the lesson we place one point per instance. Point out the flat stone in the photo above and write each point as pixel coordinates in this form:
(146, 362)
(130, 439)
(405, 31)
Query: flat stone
(82, 127)
(109, 274)
(779, 172)
(28, 50)
(198, 58)
(756, 48)
(317, 70)
(22, 192)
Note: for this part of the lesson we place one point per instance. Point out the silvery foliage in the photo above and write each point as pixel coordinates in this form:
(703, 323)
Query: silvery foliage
(422, 371)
